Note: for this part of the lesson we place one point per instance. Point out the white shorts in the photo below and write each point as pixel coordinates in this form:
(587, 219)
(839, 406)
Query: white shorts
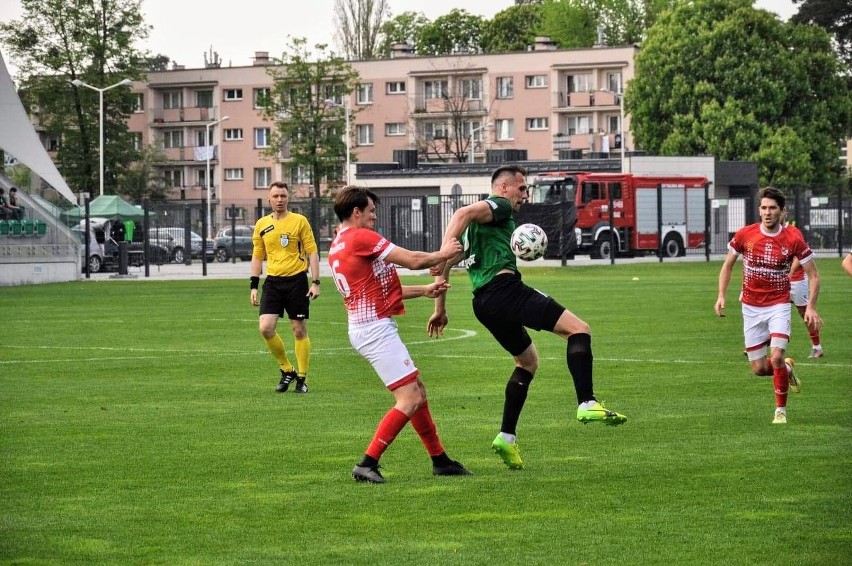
(799, 292)
(764, 326)
(380, 344)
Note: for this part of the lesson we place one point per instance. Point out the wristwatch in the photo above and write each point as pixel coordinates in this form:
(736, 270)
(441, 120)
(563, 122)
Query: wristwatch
(316, 281)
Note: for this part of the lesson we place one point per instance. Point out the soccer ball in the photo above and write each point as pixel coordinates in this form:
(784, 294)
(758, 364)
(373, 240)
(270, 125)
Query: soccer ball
(529, 242)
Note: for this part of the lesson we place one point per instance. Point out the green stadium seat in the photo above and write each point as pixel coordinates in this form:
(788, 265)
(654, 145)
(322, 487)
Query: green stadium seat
(27, 227)
(14, 227)
(4, 227)
(40, 228)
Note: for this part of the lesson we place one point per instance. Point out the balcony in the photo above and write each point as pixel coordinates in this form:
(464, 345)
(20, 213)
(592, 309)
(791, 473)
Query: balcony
(448, 105)
(598, 99)
(187, 154)
(171, 116)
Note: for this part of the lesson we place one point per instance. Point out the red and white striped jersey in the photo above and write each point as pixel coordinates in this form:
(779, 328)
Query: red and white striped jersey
(370, 286)
(766, 262)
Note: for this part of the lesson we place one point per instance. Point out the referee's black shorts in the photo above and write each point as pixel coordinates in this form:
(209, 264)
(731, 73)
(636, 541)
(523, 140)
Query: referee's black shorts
(288, 294)
(505, 306)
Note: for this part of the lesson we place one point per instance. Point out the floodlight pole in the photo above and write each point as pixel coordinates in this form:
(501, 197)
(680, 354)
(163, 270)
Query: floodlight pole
(101, 91)
(207, 152)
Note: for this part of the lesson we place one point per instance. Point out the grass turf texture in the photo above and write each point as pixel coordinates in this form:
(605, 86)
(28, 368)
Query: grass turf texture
(140, 425)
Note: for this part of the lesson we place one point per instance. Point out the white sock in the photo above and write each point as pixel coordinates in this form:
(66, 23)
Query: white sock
(510, 438)
(587, 404)
(781, 410)
(818, 347)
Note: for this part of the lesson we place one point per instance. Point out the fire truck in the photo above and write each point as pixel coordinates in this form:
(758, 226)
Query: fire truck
(645, 211)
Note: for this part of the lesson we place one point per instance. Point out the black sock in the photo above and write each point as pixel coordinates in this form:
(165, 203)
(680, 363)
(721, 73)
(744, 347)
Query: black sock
(578, 353)
(516, 396)
(441, 460)
(368, 462)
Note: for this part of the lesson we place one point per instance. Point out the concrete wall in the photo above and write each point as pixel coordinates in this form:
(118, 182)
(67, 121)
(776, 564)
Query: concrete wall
(39, 263)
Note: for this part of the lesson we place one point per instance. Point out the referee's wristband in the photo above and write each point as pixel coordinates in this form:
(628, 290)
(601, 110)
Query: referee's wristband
(316, 281)
(255, 282)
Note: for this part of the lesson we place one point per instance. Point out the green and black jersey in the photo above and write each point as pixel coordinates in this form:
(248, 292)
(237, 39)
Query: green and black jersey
(487, 247)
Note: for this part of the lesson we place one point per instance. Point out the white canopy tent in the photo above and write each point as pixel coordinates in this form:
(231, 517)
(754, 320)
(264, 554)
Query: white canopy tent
(19, 138)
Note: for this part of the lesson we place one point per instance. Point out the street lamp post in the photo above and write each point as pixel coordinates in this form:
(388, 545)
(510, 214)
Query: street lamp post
(345, 106)
(470, 141)
(207, 152)
(78, 83)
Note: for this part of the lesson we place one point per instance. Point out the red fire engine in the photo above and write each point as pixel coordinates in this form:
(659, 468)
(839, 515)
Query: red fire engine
(645, 208)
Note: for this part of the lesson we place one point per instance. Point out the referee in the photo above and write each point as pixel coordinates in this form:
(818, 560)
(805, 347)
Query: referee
(285, 240)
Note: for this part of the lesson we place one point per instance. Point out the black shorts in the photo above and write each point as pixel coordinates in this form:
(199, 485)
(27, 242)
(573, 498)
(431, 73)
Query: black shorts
(286, 294)
(505, 306)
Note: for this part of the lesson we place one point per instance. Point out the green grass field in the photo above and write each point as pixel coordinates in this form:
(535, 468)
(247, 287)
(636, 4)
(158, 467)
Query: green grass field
(140, 426)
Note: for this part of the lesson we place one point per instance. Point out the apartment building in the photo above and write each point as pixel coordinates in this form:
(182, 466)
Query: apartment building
(551, 103)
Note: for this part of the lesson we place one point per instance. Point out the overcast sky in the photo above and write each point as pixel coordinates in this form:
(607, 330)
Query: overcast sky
(185, 30)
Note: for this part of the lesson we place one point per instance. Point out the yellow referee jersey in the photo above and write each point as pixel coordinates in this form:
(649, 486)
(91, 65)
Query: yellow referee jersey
(285, 244)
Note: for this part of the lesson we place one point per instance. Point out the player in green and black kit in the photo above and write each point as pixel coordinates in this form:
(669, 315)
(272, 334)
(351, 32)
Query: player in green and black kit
(507, 307)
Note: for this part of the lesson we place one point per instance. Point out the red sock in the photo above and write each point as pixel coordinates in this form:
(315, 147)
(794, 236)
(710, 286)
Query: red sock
(390, 425)
(781, 381)
(814, 336)
(425, 427)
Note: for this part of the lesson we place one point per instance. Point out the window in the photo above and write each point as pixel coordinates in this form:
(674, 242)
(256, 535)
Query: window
(173, 177)
(472, 89)
(536, 81)
(505, 130)
(136, 141)
(579, 83)
(615, 190)
(613, 125)
(300, 175)
(232, 134)
(234, 174)
(261, 137)
(201, 177)
(262, 177)
(435, 130)
(591, 191)
(172, 138)
(365, 93)
(505, 87)
(138, 103)
(333, 92)
(53, 143)
(613, 82)
(577, 125)
(474, 126)
(260, 97)
(435, 89)
(395, 129)
(199, 137)
(395, 87)
(204, 99)
(172, 99)
(536, 123)
(365, 134)
(233, 94)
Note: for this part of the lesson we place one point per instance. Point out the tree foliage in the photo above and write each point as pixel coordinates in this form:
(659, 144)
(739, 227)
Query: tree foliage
(58, 41)
(833, 15)
(512, 29)
(404, 28)
(308, 125)
(456, 32)
(720, 77)
(359, 24)
(568, 23)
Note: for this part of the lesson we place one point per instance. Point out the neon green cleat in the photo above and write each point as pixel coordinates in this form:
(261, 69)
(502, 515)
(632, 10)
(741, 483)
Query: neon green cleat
(509, 452)
(792, 380)
(599, 413)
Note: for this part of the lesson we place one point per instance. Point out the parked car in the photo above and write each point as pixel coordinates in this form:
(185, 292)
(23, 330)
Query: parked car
(174, 238)
(104, 250)
(240, 239)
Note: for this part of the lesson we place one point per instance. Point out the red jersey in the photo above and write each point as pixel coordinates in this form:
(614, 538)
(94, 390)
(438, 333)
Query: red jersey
(370, 286)
(766, 263)
(799, 274)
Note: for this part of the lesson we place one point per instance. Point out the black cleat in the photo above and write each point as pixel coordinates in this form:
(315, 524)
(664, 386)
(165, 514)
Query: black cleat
(301, 386)
(286, 378)
(367, 474)
(452, 469)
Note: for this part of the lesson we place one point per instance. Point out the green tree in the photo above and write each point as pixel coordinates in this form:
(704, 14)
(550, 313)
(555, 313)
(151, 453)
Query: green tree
(833, 15)
(720, 77)
(404, 28)
(58, 41)
(455, 32)
(143, 180)
(512, 29)
(568, 23)
(308, 125)
(359, 25)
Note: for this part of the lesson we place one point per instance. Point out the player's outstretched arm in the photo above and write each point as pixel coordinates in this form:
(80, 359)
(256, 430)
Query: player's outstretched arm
(421, 260)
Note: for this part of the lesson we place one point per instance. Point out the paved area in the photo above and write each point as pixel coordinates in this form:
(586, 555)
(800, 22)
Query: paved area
(240, 269)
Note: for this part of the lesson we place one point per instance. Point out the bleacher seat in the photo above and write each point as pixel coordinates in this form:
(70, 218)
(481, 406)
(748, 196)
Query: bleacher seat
(14, 227)
(40, 227)
(27, 227)
(4, 227)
